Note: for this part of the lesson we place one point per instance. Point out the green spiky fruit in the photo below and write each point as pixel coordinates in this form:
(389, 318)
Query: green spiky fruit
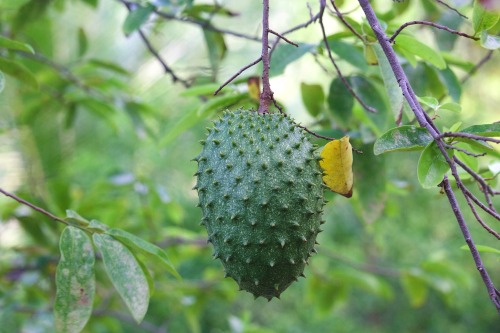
(261, 193)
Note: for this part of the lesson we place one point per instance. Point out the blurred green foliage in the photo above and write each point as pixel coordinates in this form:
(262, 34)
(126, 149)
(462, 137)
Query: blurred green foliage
(90, 122)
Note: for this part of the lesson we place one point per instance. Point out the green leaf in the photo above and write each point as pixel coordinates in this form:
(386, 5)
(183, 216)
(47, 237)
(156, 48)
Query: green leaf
(483, 19)
(487, 130)
(450, 80)
(415, 287)
(313, 97)
(125, 273)
(2, 82)
(404, 138)
(432, 166)
(75, 281)
(482, 248)
(453, 107)
(285, 54)
(394, 93)
(82, 42)
(489, 42)
(19, 72)
(136, 18)
(108, 65)
(219, 103)
(144, 246)
(201, 90)
(349, 53)
(216, 48)
(370, 194)
(414, 46)
(429, 101)
(15, 45)
(340, 101)
(75, 218)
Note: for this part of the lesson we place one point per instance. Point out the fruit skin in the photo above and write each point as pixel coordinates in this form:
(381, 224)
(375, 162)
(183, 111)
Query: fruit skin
(260, 189)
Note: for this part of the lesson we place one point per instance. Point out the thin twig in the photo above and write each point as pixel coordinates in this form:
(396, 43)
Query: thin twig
(451, 8)
(282, 37)
(466, 152)
(32, 206)
(339, 73)
(347, 24)
(468, 136)
(435, 25)
(155, 53)
(204, 24)
(253, 63)
(474, 69)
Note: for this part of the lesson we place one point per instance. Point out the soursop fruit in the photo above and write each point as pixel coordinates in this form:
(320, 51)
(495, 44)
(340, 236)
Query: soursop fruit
(261, 192)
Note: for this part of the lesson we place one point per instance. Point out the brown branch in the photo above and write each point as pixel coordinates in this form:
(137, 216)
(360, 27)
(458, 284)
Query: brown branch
(451, 8)
(282, 37)
(266, 95)
(474, 69)
(339, 73)
(349, 26)
(468, 136)
(425, 121)
(434, 25)
(253, 63)
(32, 206)
(470, 243)
(155, 53)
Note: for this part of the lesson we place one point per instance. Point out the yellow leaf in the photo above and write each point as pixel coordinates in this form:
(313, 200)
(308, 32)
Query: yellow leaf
(337, 166)
(254, 87)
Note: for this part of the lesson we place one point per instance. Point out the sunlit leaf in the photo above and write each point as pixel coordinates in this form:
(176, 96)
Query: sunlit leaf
(337, 166)
(144, 246)
(432, 166)
(15, 45)
(75, 281)
(414, 46)
(285, 54)
(403, 138)
(482, 248)
(453, 107)
(136, 17)
(490, 42)
(202, 90)
(19, 72)
(109, 65)
(415, 287)
(313, 97)
(429, 101)
(483, 19)
(75, 218)
(82, 42)
(488, 130)
(125, 273)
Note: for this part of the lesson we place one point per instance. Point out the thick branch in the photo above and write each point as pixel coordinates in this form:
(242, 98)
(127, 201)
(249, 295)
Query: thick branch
(267, 95)
(470, 243)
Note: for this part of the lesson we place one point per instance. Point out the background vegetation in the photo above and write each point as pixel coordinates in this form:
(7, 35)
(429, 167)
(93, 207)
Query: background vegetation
(90, 121)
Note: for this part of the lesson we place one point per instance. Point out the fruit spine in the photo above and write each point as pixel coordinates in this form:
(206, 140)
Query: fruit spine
(261, 192)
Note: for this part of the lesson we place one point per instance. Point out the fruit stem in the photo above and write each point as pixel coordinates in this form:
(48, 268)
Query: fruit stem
(267, 95)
